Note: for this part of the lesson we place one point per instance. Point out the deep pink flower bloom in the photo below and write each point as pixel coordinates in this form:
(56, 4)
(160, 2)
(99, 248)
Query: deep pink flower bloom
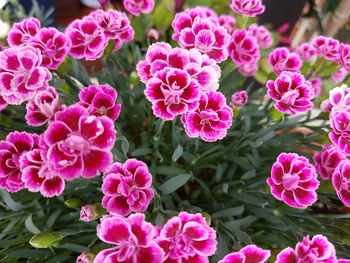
(291, 92)
(316, 250)
(43, 107)
(327, 160)
(280, 59)
(248, 69)
(187, 238)
(172, 92)
(87, 213)
(87, 37)
(343, 260)
(339, 76)
(136, 7)
(3, 103)
(23, 31)
(248, 254)
(100, 100)
(228, 22)
(293, 180)
(133, 237)
(247, 7)
(79, 144)
(344, 56)
(127, 188)
(316, 85)
(339, 98)
(21, 74)
(306, 51)
(211, 119)
(239, 98)
(11, 150)
(340, 136)
(327, 47)
(243, 48)
(261, 34)
(341, 181)
(85, 257)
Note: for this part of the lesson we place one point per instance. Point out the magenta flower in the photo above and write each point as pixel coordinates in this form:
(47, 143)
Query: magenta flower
(306, 51)
(87, 213)
(318, 250)
(228, 22)
(327, 47)
(79, 144)
(343, 261)
(339, 76)
(133, 237)
(21, 75)
(247, 7)
(85, 257)
(100, 100)
(11, 150)
(172, 92)
(344, 56)
(239, 99)
(282, 60)
(339, 98)
(136, 7)
(293, 180)
(341, 181)
(87, 37)
(340, 136)
(211, 119)
(3, 103)
(291, 92)
(187, 238)
(127, 188)
(316, 85)
(248, 254)
(43, 107)
(22, 32)
(248, 69)
(261, 34)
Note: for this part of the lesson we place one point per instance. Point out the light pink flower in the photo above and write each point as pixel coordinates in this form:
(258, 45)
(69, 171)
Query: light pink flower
(211, 119)
(281, 59)
(100, 100)
(306, 51)
(316, 250)
(341, 181)
(247, 7)
(239, 99)
(79, 144)
(187, 238)
(127, 188)
(261, 34)
(172, 92)
(87, 37)
(22, 32)
(87, 213)
(11, 150)
(293, 180)
(339, 76)
(340, 136)
(291, 92)
(21, 74)
(133, 237)
(136, 7)
(326, 106)
(248, 69)
(316, 85)
(343, 260)
(3, 103)
(327, 47)
(339, 98)
(248, 254)
(344, 56)
(153, 34)
(85, 257)
(228, 22)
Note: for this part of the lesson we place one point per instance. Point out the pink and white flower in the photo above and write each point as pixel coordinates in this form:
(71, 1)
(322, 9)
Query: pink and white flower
(341, 181)
(344, 56)
(248, 254)
(87, 213)
(136, 7)
(85, 257)
(340, 136)
(339, 76)
(261, 34)
(339, 98)
(228, 22)
(316, 85)
(248, 69)
(239, 99)
(21, 33)
(281, 59)
(247, 7)
(306, 51)
(3, 103)
(327, 47)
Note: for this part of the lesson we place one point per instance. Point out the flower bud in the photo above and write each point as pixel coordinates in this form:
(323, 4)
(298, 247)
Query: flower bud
(239, 99)
(134, 79)
(72, 202)
(85, 257)
(92, 212)
(153, 34)
(45, 239)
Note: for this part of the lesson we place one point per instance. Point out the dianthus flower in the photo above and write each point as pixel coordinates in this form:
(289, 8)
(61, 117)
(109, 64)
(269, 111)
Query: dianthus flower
(281, 59)
(172, 92)
(22, 32)
(228, 22)
(3, 103)
(343, 261)
(327, 47)
(211, 119)
(21, 74)
(339, 75)
(248, 254)
(293, 180)
(344, 56)
(133, 237)
(187, 238)
(136, 7)
(339, 98)
(248, 69)
(316, 250)
(239, 99)
(261, 34)
(79, 144)
(340, 136)
(291, 92)
(341, 181)
(306, 51)
(11, 150)
(127, 188)
(100, 100)
(199, 66)
(316, 85)
(247, 7)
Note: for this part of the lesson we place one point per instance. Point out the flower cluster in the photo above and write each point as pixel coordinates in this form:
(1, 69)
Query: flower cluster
(247, 7)
(250, 253)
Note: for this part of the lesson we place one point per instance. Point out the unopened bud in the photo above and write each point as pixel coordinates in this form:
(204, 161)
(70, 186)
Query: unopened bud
(72, 202)
(45, 239)
(92, 212)
(85, 257)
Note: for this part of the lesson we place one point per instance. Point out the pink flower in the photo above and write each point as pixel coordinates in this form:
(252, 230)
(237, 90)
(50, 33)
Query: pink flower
(291, 92)
(79, 144)
(327, 161)
(282, 60)
(153, 34)
(211, 119)
(340, 136)
(261, 34)
(100, 100)
(136, 7)
(344, 56)
(228, 22)
(317, 250)
(305, 51)
(341, 181)
(239, 99)
(339, 76)
(339, 98)
(248, 254)
(172, 92)
(3, 103)
(133, 237)
(22, 32)
(247, 7)
(87, 37)
(187, 238)
(316, 85)
(43, 107)
(21, 75)
(243, 48)
(326, 106)
(87, 213)
(293, 180)
(248, 69)
(11, 150)
(327, 47)
(343, 260)
(127, 188)
(85, 257)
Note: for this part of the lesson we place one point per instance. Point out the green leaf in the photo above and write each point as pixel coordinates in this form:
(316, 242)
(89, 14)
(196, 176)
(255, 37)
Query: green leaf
(233, 211)
(141, 152)
(162, 17)
(177, 153)
(30, 225)
(13, 205)
(174, 183)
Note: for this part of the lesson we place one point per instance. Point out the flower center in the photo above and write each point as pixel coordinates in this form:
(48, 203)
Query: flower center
(75, 144)
(290, 181)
